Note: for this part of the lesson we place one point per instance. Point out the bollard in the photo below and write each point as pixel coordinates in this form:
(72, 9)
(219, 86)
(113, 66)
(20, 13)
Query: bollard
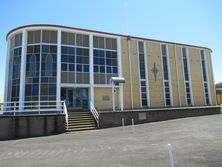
(170, 155)
(221, 108)
(133, 125)
(123, 124)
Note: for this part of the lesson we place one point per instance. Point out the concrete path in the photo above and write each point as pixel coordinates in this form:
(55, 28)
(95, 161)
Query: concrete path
(196, 142)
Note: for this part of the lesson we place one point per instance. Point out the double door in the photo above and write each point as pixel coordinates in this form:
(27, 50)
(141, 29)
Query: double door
(76, 99)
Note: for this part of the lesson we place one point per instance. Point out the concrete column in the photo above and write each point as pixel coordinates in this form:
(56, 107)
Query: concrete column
(208, 79)
(58, 78)
(212, 73)
(23, 69)
(91, 74)
(7, 77)
(119, 53)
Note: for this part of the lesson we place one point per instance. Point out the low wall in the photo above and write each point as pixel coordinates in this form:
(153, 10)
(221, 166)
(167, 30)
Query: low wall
(112, 119)
(13, 127)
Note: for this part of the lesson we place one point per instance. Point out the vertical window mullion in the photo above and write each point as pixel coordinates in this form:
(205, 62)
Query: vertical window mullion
(166, 75)
(186, 76)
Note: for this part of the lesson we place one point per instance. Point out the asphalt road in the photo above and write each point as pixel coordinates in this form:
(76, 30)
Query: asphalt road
(196, 142)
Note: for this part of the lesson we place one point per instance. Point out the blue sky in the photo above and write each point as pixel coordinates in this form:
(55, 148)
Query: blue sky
(197, 22)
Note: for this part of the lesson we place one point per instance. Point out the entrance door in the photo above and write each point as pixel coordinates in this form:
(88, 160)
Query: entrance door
(76, 99)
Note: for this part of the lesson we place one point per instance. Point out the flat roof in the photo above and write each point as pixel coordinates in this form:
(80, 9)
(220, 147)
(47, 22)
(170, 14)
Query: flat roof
(101, 32)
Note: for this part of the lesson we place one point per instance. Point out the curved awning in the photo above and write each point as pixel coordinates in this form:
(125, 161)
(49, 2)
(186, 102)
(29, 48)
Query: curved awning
(117, 80)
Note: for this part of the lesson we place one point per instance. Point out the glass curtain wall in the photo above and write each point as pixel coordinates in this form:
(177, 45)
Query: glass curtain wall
(104, 59)
(75, 58)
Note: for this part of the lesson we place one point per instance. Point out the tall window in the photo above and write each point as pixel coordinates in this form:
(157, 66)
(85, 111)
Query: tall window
(41, 66)
(32, 65)
(75, 58)
(166, 79)
(187, 81)
(205, 79)
(104, 59)
(14, 67)
(32, 73)
(48, 65)
(142, 72)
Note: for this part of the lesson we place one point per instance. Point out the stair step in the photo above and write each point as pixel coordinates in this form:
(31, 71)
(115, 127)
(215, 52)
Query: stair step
(78, 121)
(80, 113)
(81, 129)
(77, 115)
(81, 126)
(81, 121)
(80, 118)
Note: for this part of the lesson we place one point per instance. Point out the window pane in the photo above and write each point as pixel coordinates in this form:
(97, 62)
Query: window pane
(86, 68)
(96, 68)
(52, 89)
(79, 68)
(49, 36)
(164, 50)
(35, 89)
(71, 67)
(102, 69)
(64, 67)
(49, 66)
(82, 40)
(68, 38)
(144, 103)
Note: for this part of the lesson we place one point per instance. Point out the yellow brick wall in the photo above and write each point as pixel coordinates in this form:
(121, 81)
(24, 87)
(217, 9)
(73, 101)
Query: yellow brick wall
(102, 104)
(126, 74)
(135, 74)
(156, 89)
(155, 86)
(219, 99)
(197, 81)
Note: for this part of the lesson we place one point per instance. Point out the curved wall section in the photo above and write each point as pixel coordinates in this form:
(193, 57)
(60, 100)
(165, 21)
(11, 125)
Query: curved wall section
(14, 67)
(55, 59)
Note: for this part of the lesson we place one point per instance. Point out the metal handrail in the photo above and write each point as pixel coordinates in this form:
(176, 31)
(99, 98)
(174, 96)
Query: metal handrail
(66, 114)
(94, 113)
(33, 107)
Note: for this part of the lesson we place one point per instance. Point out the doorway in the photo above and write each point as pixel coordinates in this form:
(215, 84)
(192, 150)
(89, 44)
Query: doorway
(76, 98)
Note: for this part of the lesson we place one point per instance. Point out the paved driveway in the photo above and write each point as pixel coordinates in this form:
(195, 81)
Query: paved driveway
(196, 142)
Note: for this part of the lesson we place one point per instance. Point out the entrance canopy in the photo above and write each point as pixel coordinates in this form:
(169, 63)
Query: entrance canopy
(117, 80)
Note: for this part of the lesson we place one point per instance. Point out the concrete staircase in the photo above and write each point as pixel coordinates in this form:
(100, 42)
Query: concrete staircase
(80, 121)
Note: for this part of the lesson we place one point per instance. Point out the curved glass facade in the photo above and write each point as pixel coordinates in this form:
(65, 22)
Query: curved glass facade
(45, 51)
